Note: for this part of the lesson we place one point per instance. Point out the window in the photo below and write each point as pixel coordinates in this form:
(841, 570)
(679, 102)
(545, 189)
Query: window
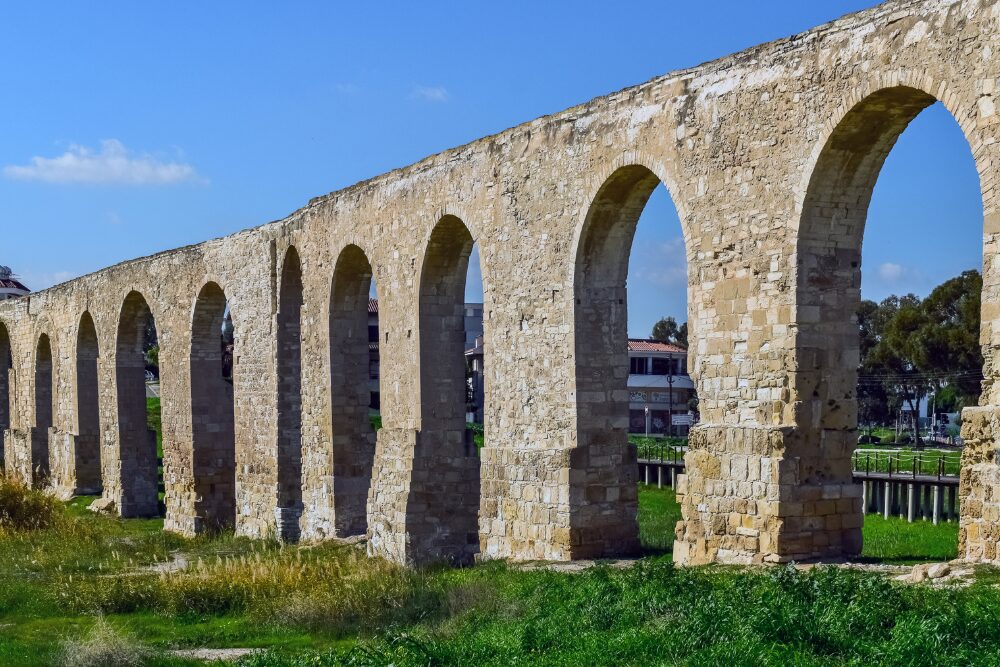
(637, 365)
(661, 366)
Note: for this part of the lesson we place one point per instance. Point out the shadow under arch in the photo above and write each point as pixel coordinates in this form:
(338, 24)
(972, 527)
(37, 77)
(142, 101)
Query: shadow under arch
(444, 497)
(828, 296)
(6, 390)
(213, 433)
(139, 474)
(604, 473)
(352, 438)
(289, 385)
(44, 398)
(87, 449)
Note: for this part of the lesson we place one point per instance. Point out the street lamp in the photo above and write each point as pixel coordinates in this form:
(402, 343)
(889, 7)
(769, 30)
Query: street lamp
(670, 400)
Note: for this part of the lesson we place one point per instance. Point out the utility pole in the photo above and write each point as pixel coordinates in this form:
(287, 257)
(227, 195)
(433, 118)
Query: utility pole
(670, 400)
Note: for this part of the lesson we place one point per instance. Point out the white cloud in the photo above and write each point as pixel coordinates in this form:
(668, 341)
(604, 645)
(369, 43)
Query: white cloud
(430, 93)
(890, 272)
(113, 164)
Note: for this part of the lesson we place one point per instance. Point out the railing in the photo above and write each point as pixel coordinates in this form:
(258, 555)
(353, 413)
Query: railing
(665, 450)
(907, 463)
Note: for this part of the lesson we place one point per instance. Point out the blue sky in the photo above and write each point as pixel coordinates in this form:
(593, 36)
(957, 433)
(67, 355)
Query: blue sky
(131, 128)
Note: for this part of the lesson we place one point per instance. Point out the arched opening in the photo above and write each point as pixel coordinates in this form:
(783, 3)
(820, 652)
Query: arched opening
(213, 435)
(444, 492)
(88, 426)
(6, 391)
(141, 470)
(43, 410)
(618, 377)
(352, 386)
(289, 322)
(836, 333)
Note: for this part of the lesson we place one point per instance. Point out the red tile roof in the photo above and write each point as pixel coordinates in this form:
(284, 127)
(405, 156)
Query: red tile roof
(648, 345)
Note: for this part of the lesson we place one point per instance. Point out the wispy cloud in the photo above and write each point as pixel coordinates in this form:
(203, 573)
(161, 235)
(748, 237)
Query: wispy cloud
(430, 93)
(663, 264)
(890, 272)
(346, 88)
(112, 164)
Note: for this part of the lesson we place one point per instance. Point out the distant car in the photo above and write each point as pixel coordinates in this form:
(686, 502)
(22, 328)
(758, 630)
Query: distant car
(150, 377)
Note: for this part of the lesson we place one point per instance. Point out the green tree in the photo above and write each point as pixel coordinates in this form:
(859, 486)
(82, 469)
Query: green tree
(910, 347)
(668, 331)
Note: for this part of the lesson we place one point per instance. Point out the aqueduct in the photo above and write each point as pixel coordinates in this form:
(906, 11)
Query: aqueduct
(770, 156)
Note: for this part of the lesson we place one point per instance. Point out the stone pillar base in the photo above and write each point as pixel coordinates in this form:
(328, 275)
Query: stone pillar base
(23, 447)
(17, 453)
(524, 508)
(604, 498)
(753, 494)
(979, 486)
(424, 498)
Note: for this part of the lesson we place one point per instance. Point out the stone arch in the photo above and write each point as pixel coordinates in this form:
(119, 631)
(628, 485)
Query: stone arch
(351, 435)
(140, 477)
(87, 436)
(213, 438)
(823, 384)
(604, 474)
(6, 389)
(44, 399)
(289, 379)
(444, 496)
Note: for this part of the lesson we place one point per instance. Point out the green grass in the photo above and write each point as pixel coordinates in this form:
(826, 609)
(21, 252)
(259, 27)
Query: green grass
(154, 423)
(893, 540)
(331, 605)
(659, 513)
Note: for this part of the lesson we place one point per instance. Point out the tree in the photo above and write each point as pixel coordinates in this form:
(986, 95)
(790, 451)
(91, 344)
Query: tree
(911, 347)
(668, 331)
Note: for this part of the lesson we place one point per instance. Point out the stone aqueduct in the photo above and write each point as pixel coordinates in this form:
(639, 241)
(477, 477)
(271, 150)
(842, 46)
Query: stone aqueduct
(770, 156)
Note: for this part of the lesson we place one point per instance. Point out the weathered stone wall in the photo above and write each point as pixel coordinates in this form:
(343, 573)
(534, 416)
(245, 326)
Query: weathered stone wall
(770, 156)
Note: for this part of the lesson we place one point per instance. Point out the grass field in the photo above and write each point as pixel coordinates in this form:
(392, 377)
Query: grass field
(84, 590)
(77, 589)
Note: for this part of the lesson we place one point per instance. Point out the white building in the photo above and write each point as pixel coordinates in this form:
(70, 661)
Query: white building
(10, 287)
(660, 388)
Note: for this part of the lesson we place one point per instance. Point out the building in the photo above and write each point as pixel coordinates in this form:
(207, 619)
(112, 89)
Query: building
(373, 361)
(660, 389)
(475, 394)
(473, 316)
(473, 324)
(10, 287)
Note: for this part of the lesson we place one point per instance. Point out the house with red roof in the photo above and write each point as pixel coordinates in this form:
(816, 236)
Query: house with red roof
(660, 389)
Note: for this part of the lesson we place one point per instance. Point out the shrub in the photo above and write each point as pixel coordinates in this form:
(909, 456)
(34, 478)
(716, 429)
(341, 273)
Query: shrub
(329, 587)
(24, 509)
(104, 646)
